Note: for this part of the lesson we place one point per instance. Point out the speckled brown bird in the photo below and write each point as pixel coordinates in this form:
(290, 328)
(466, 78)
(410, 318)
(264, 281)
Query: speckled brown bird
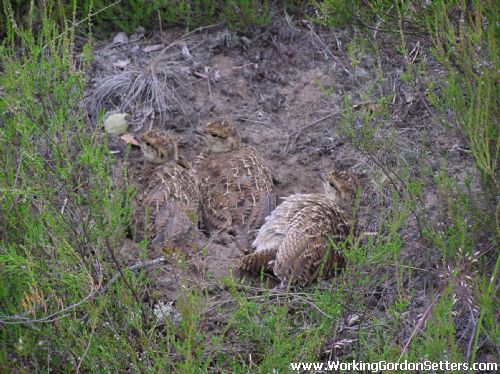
(294, 242)
(168, 200)
(236, 184)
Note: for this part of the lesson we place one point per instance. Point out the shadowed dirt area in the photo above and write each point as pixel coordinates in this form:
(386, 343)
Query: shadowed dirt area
(286, 86)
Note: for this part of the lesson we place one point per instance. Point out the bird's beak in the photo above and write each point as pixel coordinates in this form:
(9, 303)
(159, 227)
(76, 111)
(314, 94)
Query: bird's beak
(198, 132)
(322, 176)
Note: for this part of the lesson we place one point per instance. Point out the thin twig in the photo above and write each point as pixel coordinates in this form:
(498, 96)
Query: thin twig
(297, 134)
(419, 324)
(277, 48)
(335, 58)
(86, 349)
(183, 37)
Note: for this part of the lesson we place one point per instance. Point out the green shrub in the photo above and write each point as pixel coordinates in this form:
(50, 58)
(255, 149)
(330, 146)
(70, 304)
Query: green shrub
(467, 48)
(464, 37)
(62, 216)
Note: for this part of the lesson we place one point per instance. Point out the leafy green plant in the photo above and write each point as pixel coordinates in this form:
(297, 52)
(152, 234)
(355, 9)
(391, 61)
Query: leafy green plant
(463, 221)
(471, 91)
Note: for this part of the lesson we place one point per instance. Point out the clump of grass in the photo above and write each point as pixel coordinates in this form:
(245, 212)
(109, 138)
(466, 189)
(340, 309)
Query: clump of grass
(154, 87)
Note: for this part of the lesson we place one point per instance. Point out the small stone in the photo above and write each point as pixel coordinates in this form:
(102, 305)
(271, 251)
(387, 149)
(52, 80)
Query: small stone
(138, 35)
(185, 53)
(352, 320)
(120, 38)
(116, 123)
(136, 49)
(121, 64)
(246, 42)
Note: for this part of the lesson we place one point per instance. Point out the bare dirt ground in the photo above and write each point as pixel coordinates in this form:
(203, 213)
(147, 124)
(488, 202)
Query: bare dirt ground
(285, 85)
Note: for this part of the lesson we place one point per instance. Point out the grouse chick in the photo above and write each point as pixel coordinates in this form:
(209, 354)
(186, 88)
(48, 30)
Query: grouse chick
(295, 240)
(167, 205)
(236, 184)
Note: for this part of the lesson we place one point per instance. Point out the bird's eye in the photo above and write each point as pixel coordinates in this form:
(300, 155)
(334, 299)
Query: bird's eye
(333, 185)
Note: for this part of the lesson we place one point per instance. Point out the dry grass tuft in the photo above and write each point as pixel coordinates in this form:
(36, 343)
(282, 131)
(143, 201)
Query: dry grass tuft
(155, 89)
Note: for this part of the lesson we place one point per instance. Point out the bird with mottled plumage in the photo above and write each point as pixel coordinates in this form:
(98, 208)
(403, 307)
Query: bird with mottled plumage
(236, 184)
(167, 204)
(295, 241)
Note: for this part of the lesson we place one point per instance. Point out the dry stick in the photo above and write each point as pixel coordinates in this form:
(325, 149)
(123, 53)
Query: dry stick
(214, 235)
(390, 31)
(331, 54)
(425, 104)
(18, 319)
(314, 123)
(302, 129)
(86, 349)
(339, 47)
(277, 48)
(471, 340)
(242, 66)
(419, 324)
(183, 37)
